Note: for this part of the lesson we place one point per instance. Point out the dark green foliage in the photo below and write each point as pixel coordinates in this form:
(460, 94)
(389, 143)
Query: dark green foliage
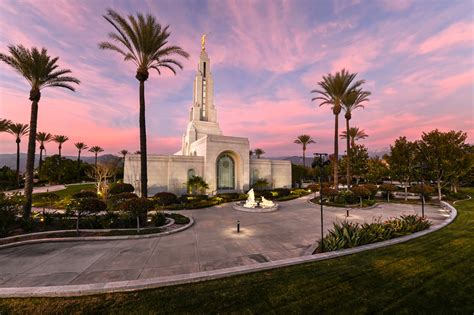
(121, 188)
(46, 197)
(329, 193)
(165, 198)
(361, 191)
(229, 197)
(10, 207)
(51, 168)
(7, 178)
(87, 205)
(346, 197)
(138, 207)
(313, 187)
(348, 234)
(84, 194)
(427, 190)
(159, 219)
(282, 192)
(178, 218)
(372, 188)
(260, 184)
(114, 201)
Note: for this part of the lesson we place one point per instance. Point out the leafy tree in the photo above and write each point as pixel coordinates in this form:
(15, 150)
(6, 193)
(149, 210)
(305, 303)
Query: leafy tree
(51, 172)
(42, 138)
(359, 158)
(7, 178)
(304, 140)
(18, 130)
(143, 41)
(79, 146)
(259, 152)
(299, 173)
(138, 208)
(387, 189)
(196, 183)
(350, 102)
(333, 90)
(96, 150)
(361, 192)
(403, 161)
(443, 154)
(41, 71)
(377, 170)
(86, 206)
(354, 134)
(5, 124)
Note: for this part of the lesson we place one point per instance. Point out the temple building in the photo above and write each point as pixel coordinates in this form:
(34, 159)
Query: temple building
(223, 161)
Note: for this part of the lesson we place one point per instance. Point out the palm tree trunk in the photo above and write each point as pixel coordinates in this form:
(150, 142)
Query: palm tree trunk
(348, 165)
(41, 158)
(143, 153)
(336, 151)
(78, 165)
(18, 163)
(59, 165)
(304, 158)
(95, 163)
(30, 161)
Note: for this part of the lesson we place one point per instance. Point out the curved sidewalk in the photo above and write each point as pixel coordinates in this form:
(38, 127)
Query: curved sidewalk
(210, 249)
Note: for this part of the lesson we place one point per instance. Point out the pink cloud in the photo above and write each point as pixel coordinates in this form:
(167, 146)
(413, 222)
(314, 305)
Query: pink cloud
(461, 33)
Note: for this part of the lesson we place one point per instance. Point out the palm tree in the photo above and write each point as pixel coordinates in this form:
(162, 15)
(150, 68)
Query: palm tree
(334, 89)
(259, 152)
(143, 41)
(4, 125)
(124, 153)
(41, 71)
(43, 137)
(96, 150)
(18, 130)
(354, 134)
(60, 139)
(351, 102)
(79, 146)
(250, 153)
(304, 140)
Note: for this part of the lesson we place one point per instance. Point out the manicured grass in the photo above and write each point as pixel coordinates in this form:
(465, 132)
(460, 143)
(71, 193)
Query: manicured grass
(431, 274)
(72, 189)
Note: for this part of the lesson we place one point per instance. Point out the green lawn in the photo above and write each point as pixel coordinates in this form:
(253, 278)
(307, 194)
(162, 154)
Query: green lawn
(432, 274)
(73, 189)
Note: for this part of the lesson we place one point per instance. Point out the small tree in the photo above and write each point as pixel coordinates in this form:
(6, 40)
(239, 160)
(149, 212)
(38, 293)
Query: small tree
(138, 208)
(361, 192)
(101, 174)
(259, 152)
(196, 183)
(86, 206)
(387, 188)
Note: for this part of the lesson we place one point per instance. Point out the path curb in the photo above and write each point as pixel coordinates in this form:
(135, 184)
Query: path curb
(134, 285)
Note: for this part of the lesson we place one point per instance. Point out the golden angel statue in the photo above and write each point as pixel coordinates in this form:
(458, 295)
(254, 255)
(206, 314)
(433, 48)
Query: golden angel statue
(203, 41)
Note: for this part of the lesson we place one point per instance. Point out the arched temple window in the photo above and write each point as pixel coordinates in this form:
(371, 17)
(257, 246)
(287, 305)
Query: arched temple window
(191, 173)
(225, 172)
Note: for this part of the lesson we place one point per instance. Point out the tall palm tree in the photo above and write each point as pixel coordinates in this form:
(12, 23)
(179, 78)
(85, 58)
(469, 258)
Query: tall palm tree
(79, 146)
(304, 140)
(41, 71)
(5, 124)
(259, 152)
(42, 138)
(351, 102)
(96, 150)
(18, 130)
(143, 41)
(334, 89)
(354, 134)
(60, 139)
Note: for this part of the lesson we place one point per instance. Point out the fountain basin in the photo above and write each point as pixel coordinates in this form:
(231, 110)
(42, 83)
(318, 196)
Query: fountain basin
(240, 207)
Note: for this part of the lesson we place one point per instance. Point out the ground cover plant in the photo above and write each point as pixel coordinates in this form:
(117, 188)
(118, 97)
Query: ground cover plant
(431, 274)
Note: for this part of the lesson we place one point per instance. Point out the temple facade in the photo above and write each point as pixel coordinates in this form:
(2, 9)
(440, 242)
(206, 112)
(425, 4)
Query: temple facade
(223, 161)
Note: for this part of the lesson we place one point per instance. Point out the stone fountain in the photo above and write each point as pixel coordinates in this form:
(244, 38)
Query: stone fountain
(251, 205)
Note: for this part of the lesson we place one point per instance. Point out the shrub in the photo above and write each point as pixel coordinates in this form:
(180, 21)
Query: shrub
(86, 206)
(159, 219)
(121, 188)
(114, 201)
(137, 208)
(426, 191)
(46, 196)
(261, 184)
(9, 210)
(329, 193)
(313, 187)
(387, 190)
(346, 197)
(372, 188)
(282, 192)
(361, 192)
(299, 192)
(347, 234)
(165, 198)
(84, 194)
(178, 218)
(230, 196)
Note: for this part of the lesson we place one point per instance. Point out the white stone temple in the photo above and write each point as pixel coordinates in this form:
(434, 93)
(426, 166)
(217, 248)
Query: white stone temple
(223, 161)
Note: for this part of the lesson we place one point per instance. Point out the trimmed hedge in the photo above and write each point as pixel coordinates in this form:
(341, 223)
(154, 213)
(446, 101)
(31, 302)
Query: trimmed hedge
(84, 194)
(165, 198)
(121, 188)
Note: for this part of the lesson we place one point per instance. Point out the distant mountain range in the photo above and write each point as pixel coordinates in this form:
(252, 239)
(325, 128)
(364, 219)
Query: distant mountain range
(9, 159)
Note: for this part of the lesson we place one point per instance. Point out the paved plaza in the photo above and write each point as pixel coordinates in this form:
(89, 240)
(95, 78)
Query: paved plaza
(212, 243)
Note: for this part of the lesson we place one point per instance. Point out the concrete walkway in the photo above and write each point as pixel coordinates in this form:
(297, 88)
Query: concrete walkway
(212, 243)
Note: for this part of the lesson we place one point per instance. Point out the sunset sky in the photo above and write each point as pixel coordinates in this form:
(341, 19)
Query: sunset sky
(417, 58)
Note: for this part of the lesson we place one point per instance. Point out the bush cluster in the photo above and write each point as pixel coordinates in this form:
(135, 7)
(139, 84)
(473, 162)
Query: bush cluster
(10, 207)
(165, 198)
(121, 188)
(348, 234)
(84, 194)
